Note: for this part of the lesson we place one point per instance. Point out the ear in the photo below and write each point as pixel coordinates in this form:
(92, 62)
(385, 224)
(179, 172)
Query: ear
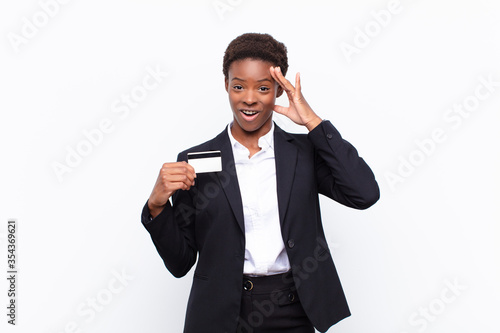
(279, 91)
(226, 83)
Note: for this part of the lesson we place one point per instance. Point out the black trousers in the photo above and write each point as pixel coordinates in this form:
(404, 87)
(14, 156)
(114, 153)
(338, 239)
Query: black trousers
(270, 304)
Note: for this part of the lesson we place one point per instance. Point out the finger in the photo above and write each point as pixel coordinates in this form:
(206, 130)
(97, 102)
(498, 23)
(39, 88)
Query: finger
(190, 167)
(178, 178)
(274, 74)
(178, 171)
(182, 169)
(173, 185)
(178, 165)
(168, 179)
(298, 87)
(175, 164)
(287, 85)
(282, 81)
(179, 186)
(281, 110)
(271, 70)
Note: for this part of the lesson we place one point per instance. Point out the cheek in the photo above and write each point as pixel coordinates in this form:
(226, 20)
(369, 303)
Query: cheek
(232, 98)
(271, 100)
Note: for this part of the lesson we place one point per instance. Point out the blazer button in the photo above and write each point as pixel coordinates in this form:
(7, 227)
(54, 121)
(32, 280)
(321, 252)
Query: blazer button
(291, 243)
(329, 136)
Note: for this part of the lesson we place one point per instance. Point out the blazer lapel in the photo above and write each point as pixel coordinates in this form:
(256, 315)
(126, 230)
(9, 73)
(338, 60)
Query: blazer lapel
(228, 177)
(285, 154)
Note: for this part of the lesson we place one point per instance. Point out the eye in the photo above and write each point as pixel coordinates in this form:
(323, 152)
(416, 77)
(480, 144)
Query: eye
(264, 89)
(237, 87)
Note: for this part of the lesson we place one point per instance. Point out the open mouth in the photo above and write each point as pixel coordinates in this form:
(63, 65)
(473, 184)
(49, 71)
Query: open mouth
(249, 112)
(249, 115)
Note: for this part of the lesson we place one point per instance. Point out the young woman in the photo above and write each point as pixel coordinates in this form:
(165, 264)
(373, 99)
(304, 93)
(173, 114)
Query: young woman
(255, 226)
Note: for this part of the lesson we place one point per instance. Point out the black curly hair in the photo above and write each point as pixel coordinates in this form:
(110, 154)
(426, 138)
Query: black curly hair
(256, 46)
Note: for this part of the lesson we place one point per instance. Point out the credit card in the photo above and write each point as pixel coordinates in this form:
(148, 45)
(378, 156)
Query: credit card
(205, 161)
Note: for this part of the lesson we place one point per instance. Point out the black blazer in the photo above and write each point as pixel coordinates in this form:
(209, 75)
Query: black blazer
(207, 222)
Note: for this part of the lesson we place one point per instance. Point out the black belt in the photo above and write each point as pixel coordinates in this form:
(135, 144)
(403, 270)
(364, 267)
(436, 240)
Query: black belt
(269, 284)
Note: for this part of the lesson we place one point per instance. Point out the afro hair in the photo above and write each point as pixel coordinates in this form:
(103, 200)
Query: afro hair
(256, 46)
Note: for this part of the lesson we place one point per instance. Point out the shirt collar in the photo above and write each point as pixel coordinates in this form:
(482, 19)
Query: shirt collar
(265, 142)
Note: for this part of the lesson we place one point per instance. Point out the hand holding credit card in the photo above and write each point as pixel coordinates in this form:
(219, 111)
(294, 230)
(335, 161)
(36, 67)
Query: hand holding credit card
(206, 161)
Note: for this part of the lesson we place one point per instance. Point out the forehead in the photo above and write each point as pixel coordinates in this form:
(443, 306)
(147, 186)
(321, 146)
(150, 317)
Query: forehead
(250, 69)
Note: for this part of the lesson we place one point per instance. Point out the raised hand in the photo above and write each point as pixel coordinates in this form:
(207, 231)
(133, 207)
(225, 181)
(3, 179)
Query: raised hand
(299, 110)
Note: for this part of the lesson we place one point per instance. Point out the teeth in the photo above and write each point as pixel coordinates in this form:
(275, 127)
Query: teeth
(249, 113)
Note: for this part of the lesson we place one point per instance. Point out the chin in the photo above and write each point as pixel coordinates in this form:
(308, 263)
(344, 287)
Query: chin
(248, 128)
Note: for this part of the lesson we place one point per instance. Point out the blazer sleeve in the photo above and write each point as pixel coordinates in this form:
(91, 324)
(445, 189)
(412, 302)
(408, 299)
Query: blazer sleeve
(340, 173)
(172, 232)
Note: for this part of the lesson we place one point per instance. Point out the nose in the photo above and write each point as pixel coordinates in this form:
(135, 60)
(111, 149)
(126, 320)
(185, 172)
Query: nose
(250, 97)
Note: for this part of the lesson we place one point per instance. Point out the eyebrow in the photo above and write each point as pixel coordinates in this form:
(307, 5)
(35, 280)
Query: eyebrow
(261, 80)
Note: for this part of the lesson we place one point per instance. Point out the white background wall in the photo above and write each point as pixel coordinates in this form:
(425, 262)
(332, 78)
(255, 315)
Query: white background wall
(425, 258)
